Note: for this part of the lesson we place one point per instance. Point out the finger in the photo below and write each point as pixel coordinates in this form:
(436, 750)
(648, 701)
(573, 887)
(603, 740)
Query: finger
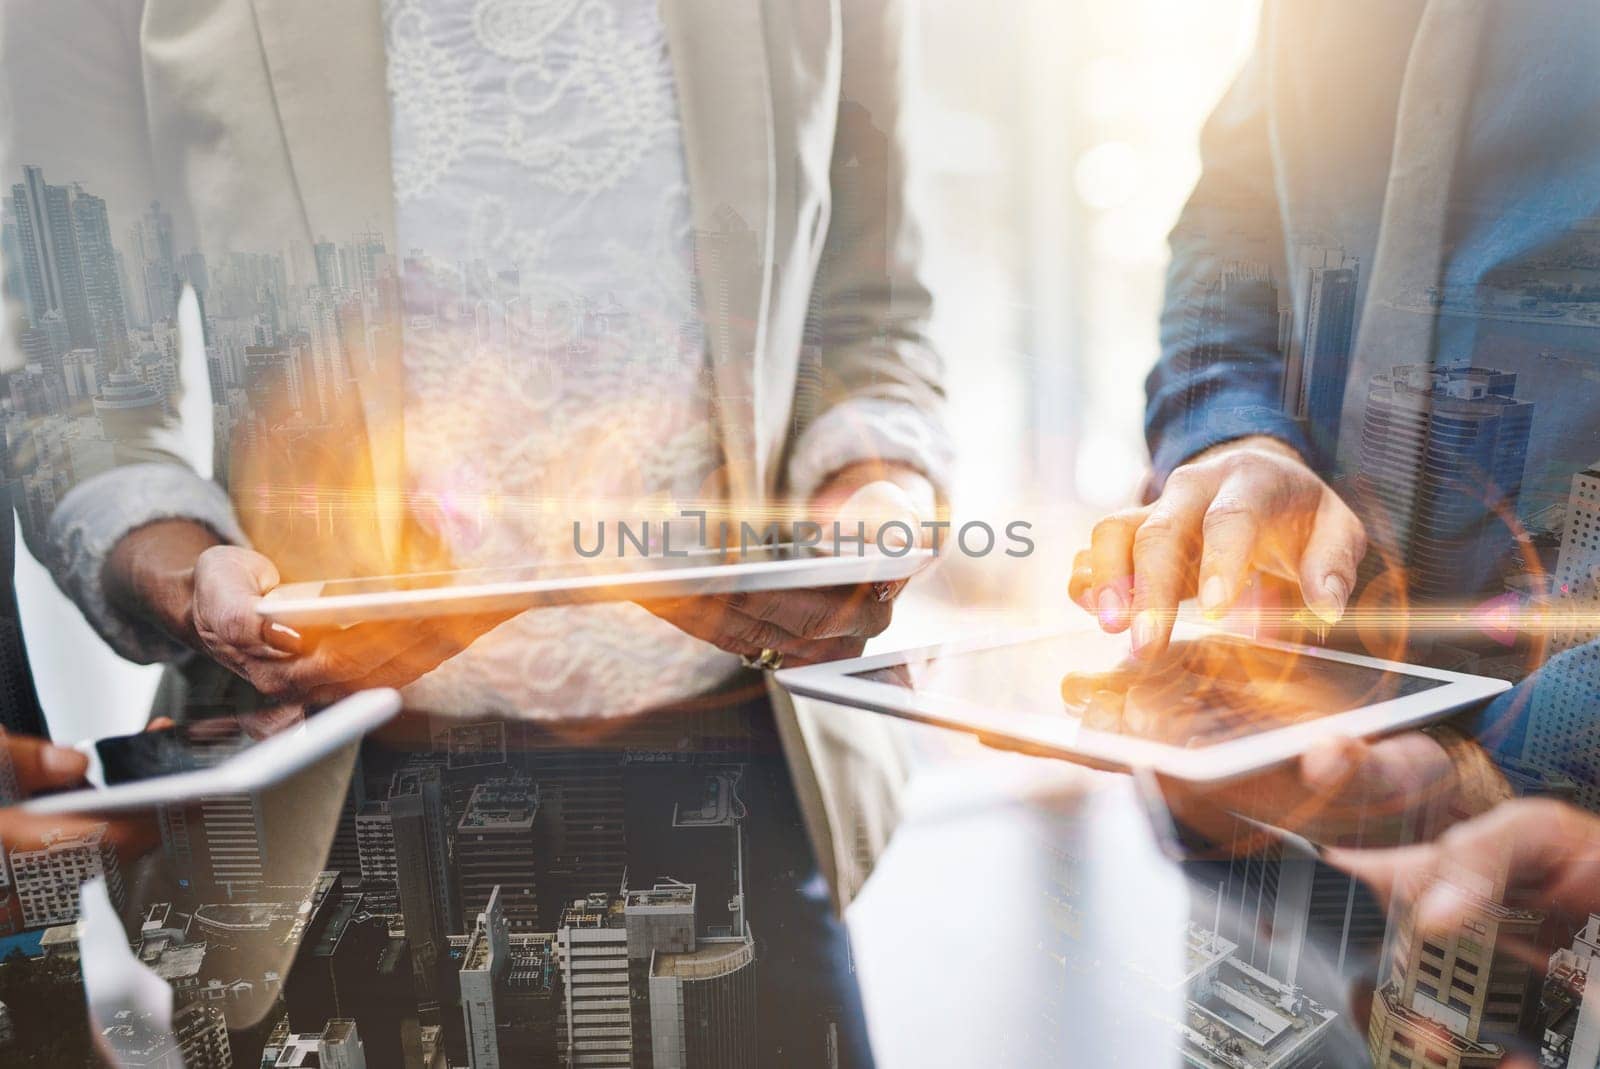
(1540, 845)
(1111, 563)
(1080, 587)
(40, 765)
(1230, 533)
(352, 654)
(832, 612)
(230, 583)
(1331, 557)
(160, 723)
(1166, 557)
(403, 669)
(1387, 872)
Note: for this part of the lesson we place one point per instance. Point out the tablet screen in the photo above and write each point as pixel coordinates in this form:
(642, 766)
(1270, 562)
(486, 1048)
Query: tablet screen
(1203, 691)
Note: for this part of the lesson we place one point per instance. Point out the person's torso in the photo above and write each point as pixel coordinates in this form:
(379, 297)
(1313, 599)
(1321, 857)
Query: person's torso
(555, 365)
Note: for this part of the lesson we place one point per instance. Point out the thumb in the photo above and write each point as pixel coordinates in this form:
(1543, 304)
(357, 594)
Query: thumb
(39, 765)
(886, 513)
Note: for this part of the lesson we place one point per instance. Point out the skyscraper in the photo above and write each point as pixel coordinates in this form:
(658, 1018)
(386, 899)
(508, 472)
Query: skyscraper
(1562, 730)
(508, 994)
(1442, 454)
(153, 252)
(1326, 340)
(1454, 1000)
(97, 259)
(422, 870)
(50, 266)
(495, 848)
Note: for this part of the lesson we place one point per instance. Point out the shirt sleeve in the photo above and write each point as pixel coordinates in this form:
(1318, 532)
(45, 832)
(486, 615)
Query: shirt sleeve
(872, 381)
(99, 512)
(1220, 374)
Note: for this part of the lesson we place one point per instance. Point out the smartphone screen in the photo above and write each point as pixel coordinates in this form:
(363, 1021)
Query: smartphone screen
(196, 744)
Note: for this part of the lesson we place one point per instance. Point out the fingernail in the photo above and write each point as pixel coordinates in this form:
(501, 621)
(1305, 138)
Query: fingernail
(1111, 608)
(1145, 629)
(1441, 908)
(62, 762)
(1335, 594)
(1214, 596)
(284, 637)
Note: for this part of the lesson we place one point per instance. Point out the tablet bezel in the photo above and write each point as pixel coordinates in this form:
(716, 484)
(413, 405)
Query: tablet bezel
(1046, 736)
(256, 768)
(302, 604)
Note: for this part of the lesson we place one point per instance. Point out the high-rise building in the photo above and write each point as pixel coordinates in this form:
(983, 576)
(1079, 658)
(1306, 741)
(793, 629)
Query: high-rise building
(597, 1023)
(47, 877)
(583, 829)
(642, 986)
(509, 993)
(1562, 733)
(703, 1005)
(1570, 1007)
(1454, 1000)
(337, 1046)
(1442, 456)
(153, 252)
(222, 846)
(97, 259)
(375, 844)
(487, 949)
(422, 871)
(327, 256)
(349, 965)
(1326, 340)
(51, 271)
(495, 847)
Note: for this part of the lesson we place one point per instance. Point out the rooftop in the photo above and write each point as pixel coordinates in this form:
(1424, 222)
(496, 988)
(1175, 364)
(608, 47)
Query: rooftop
(597, 911)
(662, 894)
(710, 959)
(501, 803)
(1245, 1019)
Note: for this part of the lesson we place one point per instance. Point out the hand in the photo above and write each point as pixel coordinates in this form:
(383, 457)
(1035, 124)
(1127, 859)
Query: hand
(1344, 787)
(283, 665)
(39, 766)
(1248, 505)
(829, 623)
(1541, 850)
(204, 594)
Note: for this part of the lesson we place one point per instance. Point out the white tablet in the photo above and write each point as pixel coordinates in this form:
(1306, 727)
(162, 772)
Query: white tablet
(229, 755)
(1215, 707)
(336, 602)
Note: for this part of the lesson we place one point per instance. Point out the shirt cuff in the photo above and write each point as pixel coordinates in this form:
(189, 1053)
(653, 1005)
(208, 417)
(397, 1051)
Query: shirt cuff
(99, 512)
(1224, 417)
(870, 429)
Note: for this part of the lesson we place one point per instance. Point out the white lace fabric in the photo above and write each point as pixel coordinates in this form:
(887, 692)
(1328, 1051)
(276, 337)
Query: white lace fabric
(555, 368)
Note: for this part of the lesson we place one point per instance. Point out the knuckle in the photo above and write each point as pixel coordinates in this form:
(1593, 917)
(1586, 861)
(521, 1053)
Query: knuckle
(1159, 530)
(1112, 526)
(1228, 510)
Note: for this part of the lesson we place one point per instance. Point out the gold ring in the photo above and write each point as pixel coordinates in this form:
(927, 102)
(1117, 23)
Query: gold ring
(770, 660)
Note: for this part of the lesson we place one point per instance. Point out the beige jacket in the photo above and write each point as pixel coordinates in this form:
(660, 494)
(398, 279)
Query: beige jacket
(261, 124)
